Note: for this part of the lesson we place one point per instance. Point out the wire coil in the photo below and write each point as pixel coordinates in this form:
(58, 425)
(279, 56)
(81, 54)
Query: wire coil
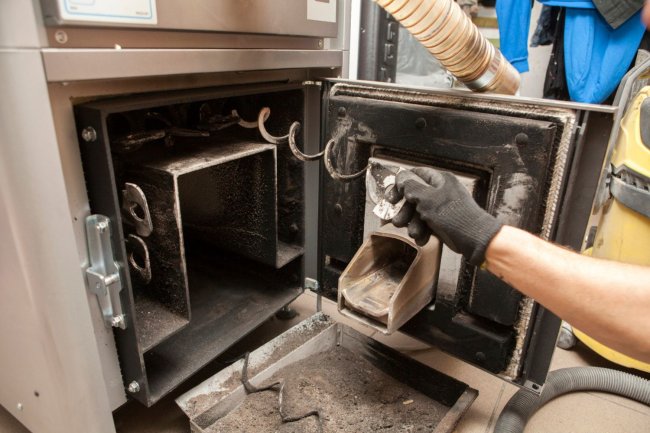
(328, 159)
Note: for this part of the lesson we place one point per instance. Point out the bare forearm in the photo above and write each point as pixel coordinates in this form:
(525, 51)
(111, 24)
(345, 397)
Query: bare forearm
(610, 301)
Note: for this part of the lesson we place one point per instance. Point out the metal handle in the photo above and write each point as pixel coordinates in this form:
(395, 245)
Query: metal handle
(103, 274)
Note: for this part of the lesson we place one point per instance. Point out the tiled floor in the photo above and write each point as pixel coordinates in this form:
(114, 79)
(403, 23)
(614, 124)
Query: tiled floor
(578, 413)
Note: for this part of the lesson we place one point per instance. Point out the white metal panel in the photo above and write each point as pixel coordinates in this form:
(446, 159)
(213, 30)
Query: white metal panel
(21, 25)
(96, 64)
(49, 358)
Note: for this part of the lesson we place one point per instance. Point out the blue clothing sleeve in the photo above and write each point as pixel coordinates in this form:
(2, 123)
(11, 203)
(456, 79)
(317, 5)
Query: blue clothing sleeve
(513, 17)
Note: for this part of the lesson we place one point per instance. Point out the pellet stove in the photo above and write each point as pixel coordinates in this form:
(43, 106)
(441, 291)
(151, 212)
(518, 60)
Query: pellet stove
(155, 212)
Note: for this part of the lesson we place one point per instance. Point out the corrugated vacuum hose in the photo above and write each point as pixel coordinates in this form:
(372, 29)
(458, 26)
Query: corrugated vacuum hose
(451, 36)
(523, 405)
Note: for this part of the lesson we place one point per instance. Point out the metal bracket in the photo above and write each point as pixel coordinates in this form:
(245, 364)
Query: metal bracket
(103, 275)
(133, 198)
(135, 243)
(312, 285)
(533, 387)
(632, 192)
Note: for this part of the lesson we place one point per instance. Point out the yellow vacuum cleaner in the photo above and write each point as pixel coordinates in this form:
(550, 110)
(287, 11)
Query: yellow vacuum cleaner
(623, 232)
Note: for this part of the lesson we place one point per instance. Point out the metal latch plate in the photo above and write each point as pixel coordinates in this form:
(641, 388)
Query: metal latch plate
(103, 275)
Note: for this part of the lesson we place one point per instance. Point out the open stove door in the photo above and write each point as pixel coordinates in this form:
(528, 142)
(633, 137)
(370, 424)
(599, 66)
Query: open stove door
(533, 164)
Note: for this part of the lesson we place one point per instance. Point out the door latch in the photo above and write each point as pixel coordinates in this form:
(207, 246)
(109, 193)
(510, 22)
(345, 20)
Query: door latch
(103, 274)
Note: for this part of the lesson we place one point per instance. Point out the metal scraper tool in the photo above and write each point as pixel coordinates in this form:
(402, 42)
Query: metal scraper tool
(380, 182)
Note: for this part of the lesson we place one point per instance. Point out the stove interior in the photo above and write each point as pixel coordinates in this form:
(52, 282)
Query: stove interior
(211, 222)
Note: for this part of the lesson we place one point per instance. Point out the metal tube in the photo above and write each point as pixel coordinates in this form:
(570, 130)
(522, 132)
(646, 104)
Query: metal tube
(450, 36)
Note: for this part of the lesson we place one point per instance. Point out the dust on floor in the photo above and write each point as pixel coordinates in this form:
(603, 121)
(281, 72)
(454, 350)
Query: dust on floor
(350, 393)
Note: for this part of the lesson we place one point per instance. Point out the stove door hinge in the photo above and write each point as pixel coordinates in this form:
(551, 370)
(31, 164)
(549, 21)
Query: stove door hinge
(103, 274)
(312, 285)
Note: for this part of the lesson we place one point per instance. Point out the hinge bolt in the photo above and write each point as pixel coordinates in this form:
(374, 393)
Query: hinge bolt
(133, 387)
(312, 284)
(89, 134)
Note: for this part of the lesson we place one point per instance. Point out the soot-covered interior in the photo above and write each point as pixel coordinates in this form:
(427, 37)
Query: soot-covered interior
(211, 224)
(511, 156)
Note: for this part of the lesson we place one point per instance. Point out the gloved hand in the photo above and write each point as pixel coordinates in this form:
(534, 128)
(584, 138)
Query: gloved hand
(437, 202)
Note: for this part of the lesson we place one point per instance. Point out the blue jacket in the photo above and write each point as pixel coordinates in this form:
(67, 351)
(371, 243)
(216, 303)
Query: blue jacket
(596, 55)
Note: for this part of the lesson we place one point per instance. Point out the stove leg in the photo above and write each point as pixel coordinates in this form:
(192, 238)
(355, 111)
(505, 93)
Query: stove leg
(286, 313)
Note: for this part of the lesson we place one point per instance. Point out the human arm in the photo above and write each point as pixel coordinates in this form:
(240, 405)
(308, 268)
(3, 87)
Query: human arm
(609, 301)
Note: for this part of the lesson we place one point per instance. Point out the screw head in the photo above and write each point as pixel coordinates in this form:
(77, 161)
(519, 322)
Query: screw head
(420, 123)
(19, 406)
(320, 43)
(102, 226)
(61, 37)
(341, 111)
(117, 321)
(89, 134)
(521, 139)
(133, 387)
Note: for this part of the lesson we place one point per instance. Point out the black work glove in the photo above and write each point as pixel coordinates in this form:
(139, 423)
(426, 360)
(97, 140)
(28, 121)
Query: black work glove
(437, 202)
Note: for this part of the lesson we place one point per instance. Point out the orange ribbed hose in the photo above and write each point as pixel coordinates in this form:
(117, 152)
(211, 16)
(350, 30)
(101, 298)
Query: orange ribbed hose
(450, 36)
